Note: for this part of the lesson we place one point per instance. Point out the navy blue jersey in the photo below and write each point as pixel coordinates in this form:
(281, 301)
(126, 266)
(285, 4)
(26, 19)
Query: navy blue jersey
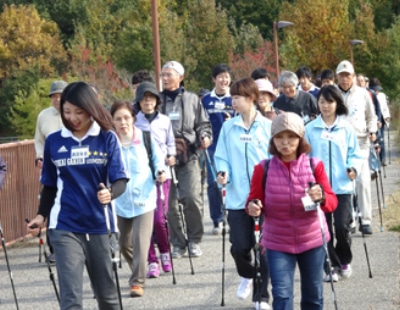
(77, 167)
(215, 107)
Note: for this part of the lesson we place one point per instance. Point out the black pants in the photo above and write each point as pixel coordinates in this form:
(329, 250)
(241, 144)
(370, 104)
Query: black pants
(339, 228)
(241, 236)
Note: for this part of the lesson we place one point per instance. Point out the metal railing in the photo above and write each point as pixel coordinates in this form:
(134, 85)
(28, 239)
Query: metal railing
(19, 196)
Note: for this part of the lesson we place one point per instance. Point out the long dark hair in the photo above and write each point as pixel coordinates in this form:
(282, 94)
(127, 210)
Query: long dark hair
(82, 95)
(331, 93)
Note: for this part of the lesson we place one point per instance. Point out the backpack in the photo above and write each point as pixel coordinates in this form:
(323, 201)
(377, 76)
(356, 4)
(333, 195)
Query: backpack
(147, 145)
(266, 167)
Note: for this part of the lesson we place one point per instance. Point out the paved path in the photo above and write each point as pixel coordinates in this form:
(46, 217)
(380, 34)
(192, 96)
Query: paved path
(203, 289)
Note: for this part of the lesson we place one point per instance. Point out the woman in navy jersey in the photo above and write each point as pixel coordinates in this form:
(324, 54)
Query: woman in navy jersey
(82, 172)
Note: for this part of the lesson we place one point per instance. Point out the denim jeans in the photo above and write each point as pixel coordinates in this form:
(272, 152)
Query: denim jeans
(282, 267)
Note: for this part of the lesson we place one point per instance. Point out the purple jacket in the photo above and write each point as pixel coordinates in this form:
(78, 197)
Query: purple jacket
(287, 226)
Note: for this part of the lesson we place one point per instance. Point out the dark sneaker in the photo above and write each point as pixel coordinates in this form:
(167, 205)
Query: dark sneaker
(365, 229)
(51, 259)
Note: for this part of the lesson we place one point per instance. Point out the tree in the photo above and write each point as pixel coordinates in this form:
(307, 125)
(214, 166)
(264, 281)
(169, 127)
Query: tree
(29, 48)
(28, 104)
(28, 41)
(261, 14)
(208, 41)
(112, 83)
(243, 64)
(320, 36)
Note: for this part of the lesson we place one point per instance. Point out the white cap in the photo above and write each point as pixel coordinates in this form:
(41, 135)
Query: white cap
(345, 66)
(176, 66)
(265, 85)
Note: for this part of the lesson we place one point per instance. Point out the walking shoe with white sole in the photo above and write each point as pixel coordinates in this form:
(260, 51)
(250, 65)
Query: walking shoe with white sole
(244, 288)
(335, 277)
(166, 262)
(154, 271)
(195, 250)
(263, 305)
(178, 252)
(346, 271)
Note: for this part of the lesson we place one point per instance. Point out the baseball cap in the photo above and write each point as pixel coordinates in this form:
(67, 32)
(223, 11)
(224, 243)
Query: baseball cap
(57, 87)
(345, 66)
(176, 66)
(287, 121)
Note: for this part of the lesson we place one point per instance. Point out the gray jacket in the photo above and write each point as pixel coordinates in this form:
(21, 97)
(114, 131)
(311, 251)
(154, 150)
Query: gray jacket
(188, 117)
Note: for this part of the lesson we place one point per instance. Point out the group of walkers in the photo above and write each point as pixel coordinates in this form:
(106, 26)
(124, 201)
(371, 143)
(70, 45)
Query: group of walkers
(285, 157)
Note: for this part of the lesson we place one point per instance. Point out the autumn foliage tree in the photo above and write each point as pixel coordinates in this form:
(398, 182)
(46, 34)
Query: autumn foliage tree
(29, 48)
(243, 64)
(27, 40)
(320, 34)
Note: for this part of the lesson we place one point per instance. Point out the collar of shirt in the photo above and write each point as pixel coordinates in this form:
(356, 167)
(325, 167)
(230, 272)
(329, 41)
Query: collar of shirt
(94, 130)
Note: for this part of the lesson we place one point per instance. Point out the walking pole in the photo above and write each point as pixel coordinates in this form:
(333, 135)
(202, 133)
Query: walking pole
(114, 258)
(223, 197)
(3, 244)
(355, 201)
(325, 245)
(381, 182)
(180, 206)
(388, 139)
(162, 197)
(257, 260)
(377, 171)
(41, 244)
(51, 274)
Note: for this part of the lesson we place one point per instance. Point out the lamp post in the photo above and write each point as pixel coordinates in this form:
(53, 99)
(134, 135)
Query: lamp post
(156, 43)
(353, 42)
(278, 25)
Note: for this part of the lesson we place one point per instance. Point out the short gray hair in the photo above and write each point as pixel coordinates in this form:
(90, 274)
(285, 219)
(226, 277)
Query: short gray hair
(288, 77)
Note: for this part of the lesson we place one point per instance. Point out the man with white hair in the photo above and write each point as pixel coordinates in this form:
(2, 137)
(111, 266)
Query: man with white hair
(192, 130)
(364, 120)
(48, 121)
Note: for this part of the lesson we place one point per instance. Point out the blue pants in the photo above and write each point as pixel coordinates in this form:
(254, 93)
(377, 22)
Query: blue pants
(282, 267)
(382, 154)
(214, 195)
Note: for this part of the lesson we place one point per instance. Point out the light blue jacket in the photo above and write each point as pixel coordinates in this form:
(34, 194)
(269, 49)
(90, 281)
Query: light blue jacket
(140, 194)
(338, 149)
(238, 151)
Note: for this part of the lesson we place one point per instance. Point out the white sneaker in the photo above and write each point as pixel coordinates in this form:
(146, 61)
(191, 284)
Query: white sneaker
(217, 230)
(261, 306)
(335, 277)
(346, 271)
(244, 288)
